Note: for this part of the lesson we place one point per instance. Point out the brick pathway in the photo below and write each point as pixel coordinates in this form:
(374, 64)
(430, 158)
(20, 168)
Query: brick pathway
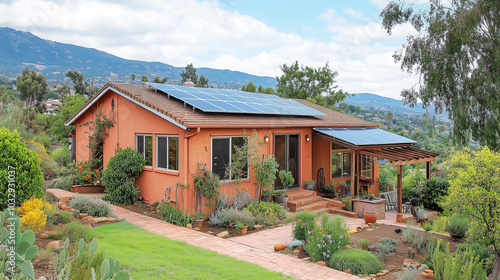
(256, 248)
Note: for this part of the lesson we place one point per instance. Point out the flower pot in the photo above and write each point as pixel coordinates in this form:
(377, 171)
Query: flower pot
(89, 188)
(153, 207)
(391, 187)
(370, 218)
(198, 223)
(243, 230)
(283, 200)
(309, 186)
(265, 199)
(364, 247)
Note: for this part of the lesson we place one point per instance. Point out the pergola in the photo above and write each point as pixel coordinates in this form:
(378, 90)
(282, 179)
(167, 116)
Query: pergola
(381, 144)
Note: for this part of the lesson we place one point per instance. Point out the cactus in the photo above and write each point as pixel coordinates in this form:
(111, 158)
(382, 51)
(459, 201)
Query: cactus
(110, 269)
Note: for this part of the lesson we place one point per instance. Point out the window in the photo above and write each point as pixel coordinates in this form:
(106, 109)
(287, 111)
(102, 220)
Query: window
(167, 148)
(341, 161)
(366, 166)
(145, 147)
(222, 152)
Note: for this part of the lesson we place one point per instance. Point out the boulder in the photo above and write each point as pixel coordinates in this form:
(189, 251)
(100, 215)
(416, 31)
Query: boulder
(407, 262)
(44, 235)
(65, 199)
(428, 273)
(111, 219)
(322, 263)
(83, 215)
(189, 226)
(223, 234)
(279, 247)
(100, 219)
(52, 244)
(257, 227)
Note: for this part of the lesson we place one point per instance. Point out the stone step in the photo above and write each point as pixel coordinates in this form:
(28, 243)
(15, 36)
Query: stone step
(314, 206)
(343, 212)
(299, 193)
(294, 204)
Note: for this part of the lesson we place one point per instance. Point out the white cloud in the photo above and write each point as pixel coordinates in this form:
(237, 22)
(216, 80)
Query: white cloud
(351, 12)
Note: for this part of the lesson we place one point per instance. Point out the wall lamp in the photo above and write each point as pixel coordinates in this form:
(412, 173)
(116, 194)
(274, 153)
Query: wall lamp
(307, 138)
(266, 139)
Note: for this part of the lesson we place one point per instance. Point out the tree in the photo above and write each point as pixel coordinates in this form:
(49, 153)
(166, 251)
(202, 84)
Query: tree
(64, 91)
(475, 191)
(269, 90)
(79, 82)
(33, 88)
(250, 87)
(57, 129)
(456, 55)
(316, 84)
(260, 89)
(144, 79)
(390, 115)
(133, 78)
(202, 82)
(189, 73)
(159, 80)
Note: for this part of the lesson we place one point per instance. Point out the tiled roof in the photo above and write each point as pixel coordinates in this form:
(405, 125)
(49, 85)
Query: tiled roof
(190, 118)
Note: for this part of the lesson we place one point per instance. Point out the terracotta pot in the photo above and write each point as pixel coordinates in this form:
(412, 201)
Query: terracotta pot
(283, 200)
(232, 228)
(370, 218)
(198, 223)
(364, 247)
(243, 230)
(153, 207)
(88, 188)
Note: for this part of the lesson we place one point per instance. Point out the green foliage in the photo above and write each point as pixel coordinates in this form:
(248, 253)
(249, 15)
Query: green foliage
(19, 169)
(410, 272)
(267, 213)
(385, 247)
(408, 235)
(231, 215)
(286, 178)
(73, 231)
(439, 223)
(98, 130)
(456, 55)
(120, 174)
(432, 193)
(357, 260)
(71, 105)
(173, 216)
(208, 185)
(48, 165)
(81, 85)
(412, 183)
(159, 80)
(450, 266)
(304, 222)
(189, 73)
(457, 225)
(85, 172)
(327, 239)
(61, 156)
(348, 203)
(387, 176)
(33, 87)
(365, 242)
(93, 206)
(476, 250)
(65, 183)
(250, 87)
(317, 85)
(55, 216)
(202, 82)
(427, 226)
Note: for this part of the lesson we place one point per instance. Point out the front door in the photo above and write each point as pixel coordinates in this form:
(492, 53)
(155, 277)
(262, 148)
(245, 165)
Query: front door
(286, 151)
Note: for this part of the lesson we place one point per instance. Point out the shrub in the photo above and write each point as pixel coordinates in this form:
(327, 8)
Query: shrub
(86, 172)
(365, 242)
(304, 221)
(327, 239)
(93, 206)
(427, 226)
(33, 204)
(19, 169)
(48, 165)
(410, 272)
(120, 174)
(457, 225)
(55, 217)
(457, 265)
(268, 213)
(231, 215)
(432, 192)
(439, 224)
(74, 231)
(61, 156)
(357, 260)
(408, 235)
(34, 220)
(64, 183)
(476, 250)
(173, 216)
(411, 183)
(385, 247)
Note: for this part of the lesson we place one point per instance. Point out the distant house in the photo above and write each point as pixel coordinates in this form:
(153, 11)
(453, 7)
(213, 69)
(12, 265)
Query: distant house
(182, 131)
(51, 105)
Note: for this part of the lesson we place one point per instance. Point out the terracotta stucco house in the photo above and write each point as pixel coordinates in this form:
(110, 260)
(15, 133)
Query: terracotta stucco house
(179, 140)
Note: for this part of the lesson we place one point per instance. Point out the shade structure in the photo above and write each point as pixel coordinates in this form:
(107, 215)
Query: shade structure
(368, 136)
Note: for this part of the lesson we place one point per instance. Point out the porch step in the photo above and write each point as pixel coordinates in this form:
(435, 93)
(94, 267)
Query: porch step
(343, 212)
(299, 193)
(294, 204)
(313, 206)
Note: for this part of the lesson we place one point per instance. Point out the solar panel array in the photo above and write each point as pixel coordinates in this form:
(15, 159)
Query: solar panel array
(365, 136)
(234, 101)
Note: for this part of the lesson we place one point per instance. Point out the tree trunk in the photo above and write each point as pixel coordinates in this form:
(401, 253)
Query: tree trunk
(495, 275)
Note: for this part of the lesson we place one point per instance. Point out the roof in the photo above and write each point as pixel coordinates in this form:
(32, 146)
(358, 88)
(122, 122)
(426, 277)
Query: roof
(365, 136)
(402, 155)
(187, 117)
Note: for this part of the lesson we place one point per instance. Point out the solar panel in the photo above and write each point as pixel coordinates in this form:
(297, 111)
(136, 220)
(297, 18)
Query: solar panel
(235, 101)
(365, 136)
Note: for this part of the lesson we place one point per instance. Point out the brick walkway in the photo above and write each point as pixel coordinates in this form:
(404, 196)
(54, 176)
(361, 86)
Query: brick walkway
(256, 248)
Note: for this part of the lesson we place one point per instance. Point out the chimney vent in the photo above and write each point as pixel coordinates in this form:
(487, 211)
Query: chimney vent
(188, 83)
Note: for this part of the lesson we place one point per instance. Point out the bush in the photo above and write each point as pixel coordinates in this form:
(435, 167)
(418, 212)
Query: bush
(55, 217)
(439, 224)
(74, 231)
(61, 156)
(457, 225)
(432, 192)
(411, 183)
(231, 215)
(457, 265)
(304, 221)
(19, 169)
(173, 216)
(34, 220)
(267, 213)
(64, 183)
(93, 206)
(385, 247)
(327, 239)
(120, 174)
(357, 260)
(476, 250)
(33, 204)
(48, 165)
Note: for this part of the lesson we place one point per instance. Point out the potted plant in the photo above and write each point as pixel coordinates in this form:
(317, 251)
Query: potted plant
(154, 205)
(266, 194)
(287, 180)
(370, 217)
(348, 203)
(280, 197)
(371, 196)
(364, 244)
(198, 219)
(309, 185)
(457, 226)
(240, 229)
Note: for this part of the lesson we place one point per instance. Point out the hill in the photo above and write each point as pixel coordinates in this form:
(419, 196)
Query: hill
(22, 49)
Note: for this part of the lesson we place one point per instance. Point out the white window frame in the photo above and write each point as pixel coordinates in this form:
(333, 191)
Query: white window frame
(230, 155)
(144, 147)
(168, 158)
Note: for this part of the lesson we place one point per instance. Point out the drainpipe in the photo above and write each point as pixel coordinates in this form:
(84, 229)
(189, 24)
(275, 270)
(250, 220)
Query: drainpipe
(186, 157)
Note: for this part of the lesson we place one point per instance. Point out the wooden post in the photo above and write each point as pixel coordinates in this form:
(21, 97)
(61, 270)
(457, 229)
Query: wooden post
(353, 171)
(428, 170)
(400, 190)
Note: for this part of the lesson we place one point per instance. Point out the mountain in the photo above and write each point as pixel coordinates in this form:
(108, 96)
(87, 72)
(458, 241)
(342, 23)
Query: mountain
(22, 49)
(370, 101)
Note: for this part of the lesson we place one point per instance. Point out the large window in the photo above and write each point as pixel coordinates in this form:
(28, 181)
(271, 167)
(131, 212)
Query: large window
(366, 166)
(341, 161)
(223, 149)
(145, 147)
(167, 148)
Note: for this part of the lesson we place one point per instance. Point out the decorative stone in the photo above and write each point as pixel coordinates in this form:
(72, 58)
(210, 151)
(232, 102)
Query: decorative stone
(295, 243)
(210, 232)
(348, 271)
(352, 231)
(189, 226)
(65, 199)
(296, 252)
(307, 258)
(279, 247)
(428, 273)
(66, 207)
(360, 228)
(60, 225)
(52, 244)
(385, 271)
(83, 215)
(51, 231)
(196, 228)
(379, 274)
(407, 262)
(111, 219)
(88, 218)
(223, 234)
(347, 247)
(100, 220)
(369, 229)
(322, 263)
(44, 235)
(257, 227)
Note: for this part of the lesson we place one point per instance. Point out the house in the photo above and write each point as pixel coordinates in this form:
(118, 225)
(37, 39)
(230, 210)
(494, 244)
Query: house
(51, 105)
(182, 131)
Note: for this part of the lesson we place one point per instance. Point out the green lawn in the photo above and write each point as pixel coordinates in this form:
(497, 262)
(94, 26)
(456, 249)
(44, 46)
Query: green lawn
(149, 256)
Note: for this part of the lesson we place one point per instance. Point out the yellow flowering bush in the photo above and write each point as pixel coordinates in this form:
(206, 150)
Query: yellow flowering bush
(32, 204)
(34, 220)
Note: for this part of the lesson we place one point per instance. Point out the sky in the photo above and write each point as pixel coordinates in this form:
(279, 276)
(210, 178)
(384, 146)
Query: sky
(252, 36)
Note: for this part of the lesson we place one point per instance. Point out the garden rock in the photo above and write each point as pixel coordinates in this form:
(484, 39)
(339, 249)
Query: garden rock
(257, 227)
(348, 271)
(44, 235)
(100, 220)
(83, 215)
(189, 226)
(223, 234)
(52, 244)
(210, 232)
(347, 247)
(295, 243)
(65, 199)
(407, 262)
(196, 228)
(296, 252)
(299, 248)
(279, 247)
(428, 273)
(112, 219)
(322, 263)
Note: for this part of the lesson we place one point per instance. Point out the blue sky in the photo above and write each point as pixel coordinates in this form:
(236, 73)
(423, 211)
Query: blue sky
(252, 36)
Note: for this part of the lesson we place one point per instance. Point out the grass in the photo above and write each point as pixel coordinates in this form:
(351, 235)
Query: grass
(149, 256)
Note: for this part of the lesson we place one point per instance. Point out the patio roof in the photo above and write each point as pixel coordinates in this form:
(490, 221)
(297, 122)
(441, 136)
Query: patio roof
(368, 136)
(401, 155)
